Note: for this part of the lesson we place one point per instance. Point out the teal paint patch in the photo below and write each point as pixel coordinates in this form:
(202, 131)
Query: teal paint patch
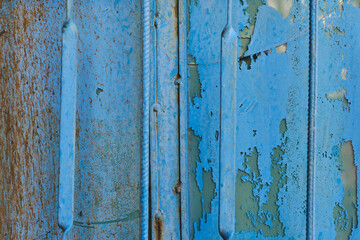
(200, 205)
(195, 84)
(194, 159)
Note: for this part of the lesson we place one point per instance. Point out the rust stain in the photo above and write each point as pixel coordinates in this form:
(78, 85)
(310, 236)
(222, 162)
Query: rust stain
(177, 187)
(29, 120)
(159, 227)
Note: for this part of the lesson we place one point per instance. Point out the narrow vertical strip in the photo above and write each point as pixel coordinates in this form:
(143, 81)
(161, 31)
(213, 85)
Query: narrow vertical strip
(67, 122)
(145, 122)
(227, 128)
(183, 116)
(311, 154)
(69, 4)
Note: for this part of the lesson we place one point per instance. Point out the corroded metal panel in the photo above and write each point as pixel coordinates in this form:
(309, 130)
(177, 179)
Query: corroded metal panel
(108, 119)
(30, 59)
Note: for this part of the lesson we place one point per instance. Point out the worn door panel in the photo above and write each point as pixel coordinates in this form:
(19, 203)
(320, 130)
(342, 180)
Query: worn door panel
(272, 90)
(164, 123)
(107, 172)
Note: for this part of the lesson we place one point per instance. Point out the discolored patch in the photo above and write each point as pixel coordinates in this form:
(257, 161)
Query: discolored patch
(345, 213)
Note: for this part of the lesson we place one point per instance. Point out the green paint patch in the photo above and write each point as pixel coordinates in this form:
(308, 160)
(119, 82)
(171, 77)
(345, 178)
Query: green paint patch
(208, 193)
(195, 84)
(345, 213)
(283, 127)
(200, 202)
(250, 215)
(196, 198)
(245, 34)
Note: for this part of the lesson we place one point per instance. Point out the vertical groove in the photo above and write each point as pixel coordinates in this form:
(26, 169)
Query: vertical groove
(311, 154)
(145, 122)
(183, 111)
(178, 86)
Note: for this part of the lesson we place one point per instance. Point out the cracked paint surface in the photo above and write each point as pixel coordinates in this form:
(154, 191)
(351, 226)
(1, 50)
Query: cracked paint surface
(251, 216)
(271, 86)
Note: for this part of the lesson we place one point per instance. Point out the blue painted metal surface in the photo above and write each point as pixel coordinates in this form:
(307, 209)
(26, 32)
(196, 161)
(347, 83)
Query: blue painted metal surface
(68, 122)
(227, 142)
(190, 119)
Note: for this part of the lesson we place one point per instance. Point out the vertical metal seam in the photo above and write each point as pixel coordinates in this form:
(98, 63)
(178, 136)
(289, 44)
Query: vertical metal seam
(144, 202)
(177, 82)
(311, 154)
(183, 119)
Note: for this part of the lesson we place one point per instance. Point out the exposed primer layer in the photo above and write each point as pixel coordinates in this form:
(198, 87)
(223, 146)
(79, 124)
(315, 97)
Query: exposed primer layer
(344, 73)
(281, 49)
(356, 3)
(339, 95)
(282, 6)
(345, 213)
(250, 216)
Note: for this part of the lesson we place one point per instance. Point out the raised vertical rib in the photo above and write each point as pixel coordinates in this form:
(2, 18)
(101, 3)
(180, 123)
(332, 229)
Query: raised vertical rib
(227, 128)
(313, 23)
(145, 122)
(68, 122)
